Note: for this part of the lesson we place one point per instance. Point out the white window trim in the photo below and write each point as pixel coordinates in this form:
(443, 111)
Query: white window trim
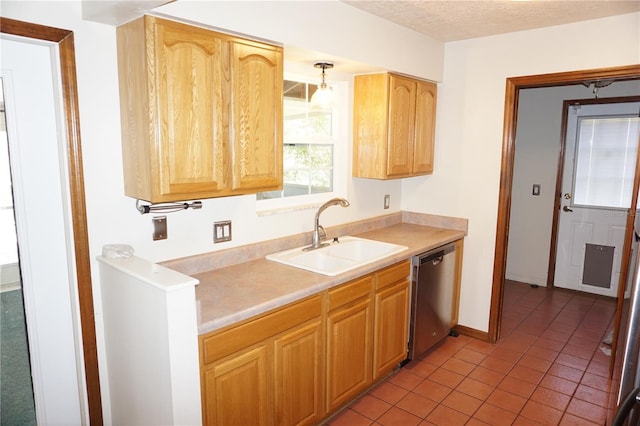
(340, 153)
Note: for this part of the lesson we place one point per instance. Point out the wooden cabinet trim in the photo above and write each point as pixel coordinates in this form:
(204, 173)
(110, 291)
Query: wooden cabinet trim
(392, 274)
(219, 344)
(350, 291)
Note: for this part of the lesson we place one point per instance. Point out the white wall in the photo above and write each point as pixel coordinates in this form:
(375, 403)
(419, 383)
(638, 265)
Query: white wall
(536, 161)
(470, 123)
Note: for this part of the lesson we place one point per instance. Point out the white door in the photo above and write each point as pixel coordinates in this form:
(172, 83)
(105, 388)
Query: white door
(597, 181)
(41, 201)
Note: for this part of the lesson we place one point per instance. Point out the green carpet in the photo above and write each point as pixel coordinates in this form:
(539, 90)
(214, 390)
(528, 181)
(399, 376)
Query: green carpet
(16, 391)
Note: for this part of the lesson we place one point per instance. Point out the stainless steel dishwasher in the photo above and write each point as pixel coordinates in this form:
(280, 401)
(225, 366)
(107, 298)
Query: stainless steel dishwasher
(432, 276)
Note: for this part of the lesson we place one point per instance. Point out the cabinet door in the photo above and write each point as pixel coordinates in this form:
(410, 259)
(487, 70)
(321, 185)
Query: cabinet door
(391, 328)
(191, 116)
(348, 352)
(298, 376)
(425, 126)
(257, 116)
(402, 109)
(236, 391)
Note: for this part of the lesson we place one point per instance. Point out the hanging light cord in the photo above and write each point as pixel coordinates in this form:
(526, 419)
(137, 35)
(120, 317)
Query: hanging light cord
(166, 207)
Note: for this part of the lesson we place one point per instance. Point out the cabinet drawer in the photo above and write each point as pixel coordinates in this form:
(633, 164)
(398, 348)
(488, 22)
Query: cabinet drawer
(392, 274)
(221, 344)
(349, 292)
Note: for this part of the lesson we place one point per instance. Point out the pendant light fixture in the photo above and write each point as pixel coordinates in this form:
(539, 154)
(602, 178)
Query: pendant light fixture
(323, 96)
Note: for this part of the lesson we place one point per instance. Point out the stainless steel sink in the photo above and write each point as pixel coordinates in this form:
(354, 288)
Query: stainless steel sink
(338, 257)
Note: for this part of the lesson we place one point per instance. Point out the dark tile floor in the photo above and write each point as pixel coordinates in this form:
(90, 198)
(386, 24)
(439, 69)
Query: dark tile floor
(547, 368)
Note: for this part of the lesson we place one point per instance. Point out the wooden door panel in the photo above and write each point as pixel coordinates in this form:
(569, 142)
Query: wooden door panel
(402, 105)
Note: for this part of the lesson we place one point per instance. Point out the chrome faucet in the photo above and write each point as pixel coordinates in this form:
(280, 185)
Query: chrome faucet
(316, 241)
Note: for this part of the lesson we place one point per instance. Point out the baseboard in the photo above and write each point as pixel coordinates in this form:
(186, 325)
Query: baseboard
(472, 332)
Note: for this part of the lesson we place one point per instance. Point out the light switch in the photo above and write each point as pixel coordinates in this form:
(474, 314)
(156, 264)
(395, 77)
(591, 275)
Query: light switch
(536, 189)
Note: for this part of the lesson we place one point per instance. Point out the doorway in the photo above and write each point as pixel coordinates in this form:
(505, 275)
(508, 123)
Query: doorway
(62, 54)
(513, 90)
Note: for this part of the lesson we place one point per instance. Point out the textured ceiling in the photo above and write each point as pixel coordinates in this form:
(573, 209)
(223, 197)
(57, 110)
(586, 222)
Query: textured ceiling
(451, 20)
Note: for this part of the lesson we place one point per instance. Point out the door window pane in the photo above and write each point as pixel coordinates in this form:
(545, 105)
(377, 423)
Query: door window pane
(605, 161)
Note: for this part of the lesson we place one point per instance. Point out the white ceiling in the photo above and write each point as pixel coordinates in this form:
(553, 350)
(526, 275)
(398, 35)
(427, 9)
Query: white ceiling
(451, 20)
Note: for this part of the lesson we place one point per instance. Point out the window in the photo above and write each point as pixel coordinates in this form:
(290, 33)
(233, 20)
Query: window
(311, 150)
(605, 161)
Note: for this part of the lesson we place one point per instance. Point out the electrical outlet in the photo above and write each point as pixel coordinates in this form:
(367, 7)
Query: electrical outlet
(387, 200)
(222, 231)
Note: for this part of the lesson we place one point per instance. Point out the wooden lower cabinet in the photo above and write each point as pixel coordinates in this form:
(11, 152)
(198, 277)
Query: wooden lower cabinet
(301, 363)
(298, 379)
(236, 390)
(390, 329)
(348, 352)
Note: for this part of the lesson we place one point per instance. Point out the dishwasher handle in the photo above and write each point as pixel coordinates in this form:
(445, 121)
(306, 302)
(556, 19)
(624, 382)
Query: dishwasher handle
(436, 256)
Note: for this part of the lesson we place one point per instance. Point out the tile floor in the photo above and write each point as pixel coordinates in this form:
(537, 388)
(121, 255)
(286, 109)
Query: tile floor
(547, 368)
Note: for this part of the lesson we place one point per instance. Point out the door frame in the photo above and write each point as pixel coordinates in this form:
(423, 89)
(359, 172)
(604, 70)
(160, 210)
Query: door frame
(513, 87)
(558, 201)
(82, 264)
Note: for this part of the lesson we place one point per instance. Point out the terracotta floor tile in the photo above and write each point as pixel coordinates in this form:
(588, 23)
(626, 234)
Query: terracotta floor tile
(550, 344)
(421, 368)
(416, 405)
(517, 386)
(432, 390)
(494, 415)
(551, 398)
(592, 395)
(543, 353)
(398, 417)
(577, 351)
(534, 362)
(446, 377)
(475, 388)
(350, 418)
(598, 368)
(436, 358)
(507, 400)
(459, 366)
(497, 364)
(541, 413)
(592, 412)
(566, 372)
(406, 379)
(370, 406)
(506, 354)
(527, 374)
(461, 402)
(389, 392)
(446, 416)
(523, 421)
(475, 422)
(571, 420)
(595, 381)
(469, 355)
(559, 384)
(487, 376)
(572, 361)
(480, 346)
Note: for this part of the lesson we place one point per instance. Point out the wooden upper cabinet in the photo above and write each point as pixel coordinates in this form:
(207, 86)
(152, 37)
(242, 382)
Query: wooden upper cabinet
(394, 119)
(257, 111)
(181, 113)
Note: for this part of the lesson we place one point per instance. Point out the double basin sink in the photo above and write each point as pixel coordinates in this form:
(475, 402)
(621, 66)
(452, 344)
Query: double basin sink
(341, 255)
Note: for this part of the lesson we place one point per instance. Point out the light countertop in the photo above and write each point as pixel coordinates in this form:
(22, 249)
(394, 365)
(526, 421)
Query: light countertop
(231, 294)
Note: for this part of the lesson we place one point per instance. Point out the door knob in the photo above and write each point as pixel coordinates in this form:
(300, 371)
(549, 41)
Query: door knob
(567, 196)
(567, 209)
